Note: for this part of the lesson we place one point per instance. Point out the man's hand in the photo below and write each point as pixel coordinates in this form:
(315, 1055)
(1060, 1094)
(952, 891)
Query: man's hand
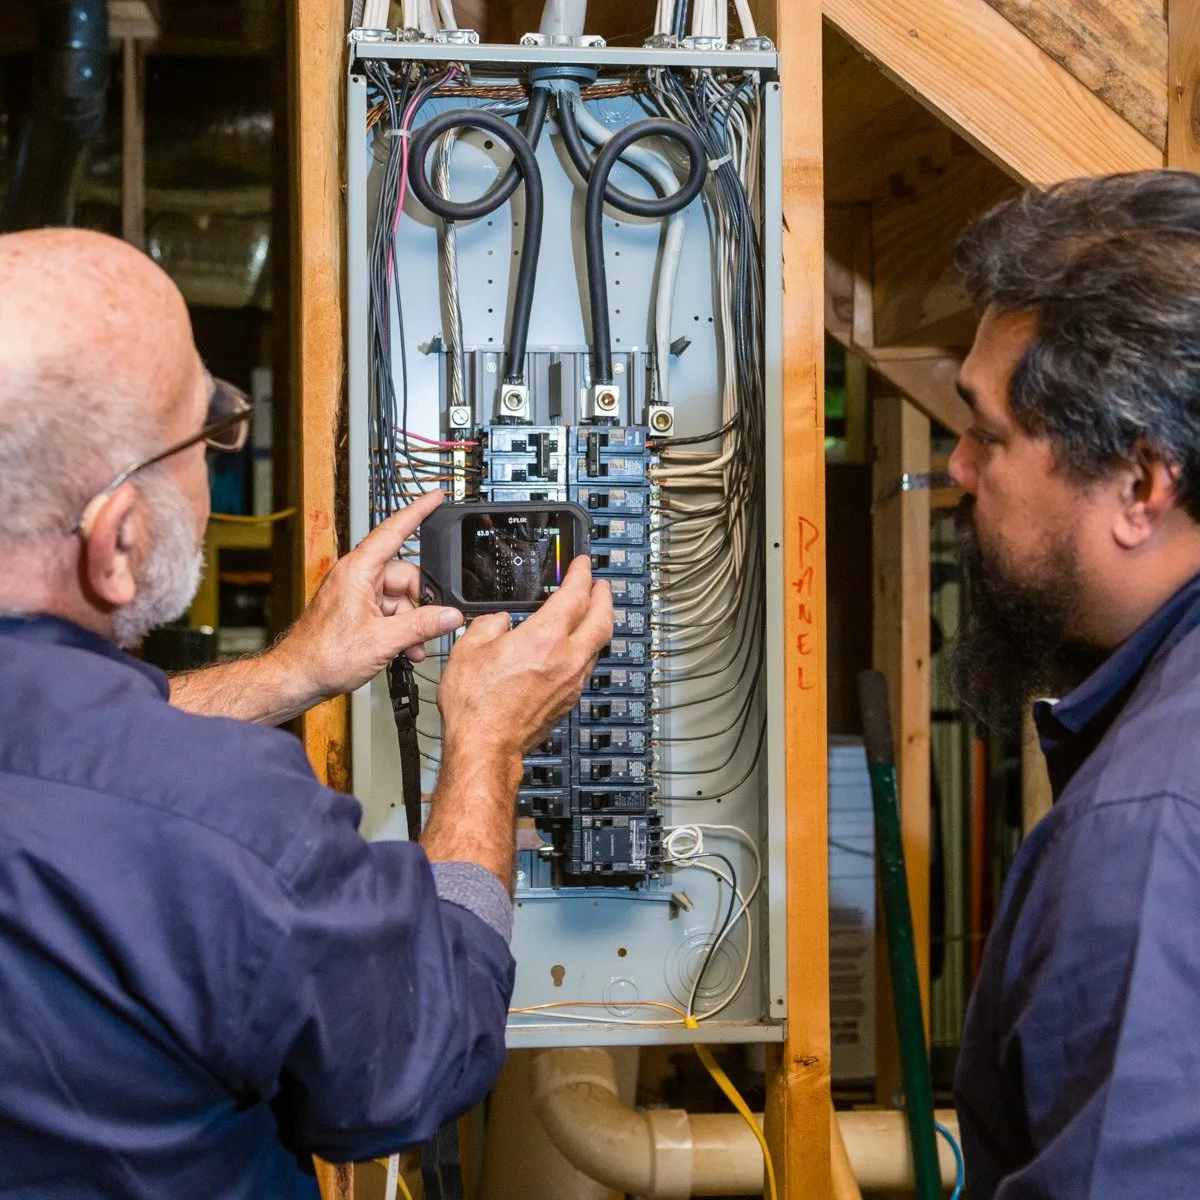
(366, 612)
(501, 692)
(506, 686)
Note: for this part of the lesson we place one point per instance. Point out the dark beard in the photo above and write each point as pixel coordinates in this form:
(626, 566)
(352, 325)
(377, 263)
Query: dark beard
(1014, 643)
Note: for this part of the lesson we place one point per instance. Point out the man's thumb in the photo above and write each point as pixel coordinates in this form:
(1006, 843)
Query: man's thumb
(415, 626)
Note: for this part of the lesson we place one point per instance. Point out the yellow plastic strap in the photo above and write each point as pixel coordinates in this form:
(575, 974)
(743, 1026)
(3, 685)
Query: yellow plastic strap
(735, 1098)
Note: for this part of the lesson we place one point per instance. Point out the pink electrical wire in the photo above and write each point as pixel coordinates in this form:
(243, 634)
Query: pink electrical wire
(420, 437)
(405, 125)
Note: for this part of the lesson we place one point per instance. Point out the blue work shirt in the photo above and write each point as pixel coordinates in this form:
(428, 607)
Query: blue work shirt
(206, 974)
(1079, 1075)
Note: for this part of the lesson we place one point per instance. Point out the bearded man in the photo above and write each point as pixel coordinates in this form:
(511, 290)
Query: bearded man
(1079, 1075)
(206, 974)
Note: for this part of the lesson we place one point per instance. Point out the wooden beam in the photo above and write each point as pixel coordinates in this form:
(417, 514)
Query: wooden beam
(318, 30)
(901, 568)
(1115, 48)
(992, 85)
(925, 374)
(917, 292)
(132, 20)
(1183, 84)
(798, 1077)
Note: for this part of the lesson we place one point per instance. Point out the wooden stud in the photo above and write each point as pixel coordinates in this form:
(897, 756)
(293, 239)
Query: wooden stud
(797, 1119)
(318, 62)
(901, 569)
(1183, 84)
(317, 32)
(993, 86)
(133, 144)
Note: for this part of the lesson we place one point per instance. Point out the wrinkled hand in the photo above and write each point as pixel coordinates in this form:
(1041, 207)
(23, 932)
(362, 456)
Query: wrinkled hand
(504, 688)
(366, 611)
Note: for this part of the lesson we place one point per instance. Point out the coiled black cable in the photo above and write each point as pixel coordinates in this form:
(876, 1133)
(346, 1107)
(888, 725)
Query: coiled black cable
(524, 169)
(593, 215)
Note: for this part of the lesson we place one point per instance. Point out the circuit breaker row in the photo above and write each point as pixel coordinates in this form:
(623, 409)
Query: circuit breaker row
(589, 787)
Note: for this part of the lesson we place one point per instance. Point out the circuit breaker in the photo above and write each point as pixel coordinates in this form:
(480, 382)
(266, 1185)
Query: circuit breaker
(564, 287)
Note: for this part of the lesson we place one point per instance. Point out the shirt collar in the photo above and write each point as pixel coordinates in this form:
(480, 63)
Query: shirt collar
(1098, 696)
(55, 631)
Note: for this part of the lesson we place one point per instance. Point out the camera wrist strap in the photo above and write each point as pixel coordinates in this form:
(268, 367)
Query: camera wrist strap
(441, 1166)
(406, 703)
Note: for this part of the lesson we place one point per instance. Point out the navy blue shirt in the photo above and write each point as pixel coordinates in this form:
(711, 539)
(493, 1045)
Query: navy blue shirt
(206, 974)
(1079, 1075)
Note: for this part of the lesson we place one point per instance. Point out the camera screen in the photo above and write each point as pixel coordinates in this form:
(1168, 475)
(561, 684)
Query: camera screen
(514, 557)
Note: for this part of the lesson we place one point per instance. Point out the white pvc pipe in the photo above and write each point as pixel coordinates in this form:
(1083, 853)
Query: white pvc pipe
(563, 17)
(669, 1154)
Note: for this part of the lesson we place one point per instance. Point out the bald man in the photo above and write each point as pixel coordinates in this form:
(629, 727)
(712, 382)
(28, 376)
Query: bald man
(206, 974)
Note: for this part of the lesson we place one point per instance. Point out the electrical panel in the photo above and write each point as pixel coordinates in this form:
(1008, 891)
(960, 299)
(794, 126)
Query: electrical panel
(564, 286)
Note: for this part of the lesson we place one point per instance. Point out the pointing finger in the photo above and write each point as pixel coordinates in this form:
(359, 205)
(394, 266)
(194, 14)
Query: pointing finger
(567, 606)
(384, 541)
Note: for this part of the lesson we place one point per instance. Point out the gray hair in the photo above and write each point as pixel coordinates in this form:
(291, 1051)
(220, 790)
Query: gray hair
(61, 441)
(1111, 268)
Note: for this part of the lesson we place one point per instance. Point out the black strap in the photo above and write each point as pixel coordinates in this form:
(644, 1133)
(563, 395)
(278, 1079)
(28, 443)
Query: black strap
(406, 703)
(441, 1164)
(441, 1159)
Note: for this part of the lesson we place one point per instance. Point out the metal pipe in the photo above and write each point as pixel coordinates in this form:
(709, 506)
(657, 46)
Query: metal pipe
(64, 117)
(669, 1154)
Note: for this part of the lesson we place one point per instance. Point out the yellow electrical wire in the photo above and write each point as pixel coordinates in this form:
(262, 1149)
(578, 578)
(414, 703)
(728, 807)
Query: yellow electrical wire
(735, 1098)
(237, 519)
(383, 1162)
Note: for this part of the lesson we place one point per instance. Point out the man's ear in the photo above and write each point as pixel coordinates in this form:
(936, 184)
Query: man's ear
(115, 547)
(1147, 492)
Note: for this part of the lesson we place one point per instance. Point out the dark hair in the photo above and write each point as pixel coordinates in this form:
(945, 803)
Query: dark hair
(1111, 267)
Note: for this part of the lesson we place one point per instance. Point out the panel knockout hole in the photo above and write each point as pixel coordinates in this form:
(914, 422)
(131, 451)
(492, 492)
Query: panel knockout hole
(558, 974)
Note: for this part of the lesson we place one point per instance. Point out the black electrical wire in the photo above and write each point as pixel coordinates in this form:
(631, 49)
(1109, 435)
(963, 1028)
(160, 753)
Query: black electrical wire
(695, 439)
(636, 206)
(720, 934)
(526, 166)
(593, 217)
(680, 16)
(530, 126)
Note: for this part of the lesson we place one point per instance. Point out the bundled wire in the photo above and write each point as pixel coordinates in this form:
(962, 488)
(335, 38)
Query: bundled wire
(599, 192)
(710, 619)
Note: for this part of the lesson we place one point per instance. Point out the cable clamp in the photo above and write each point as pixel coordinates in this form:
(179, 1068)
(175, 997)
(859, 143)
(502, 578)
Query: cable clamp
(715, 163)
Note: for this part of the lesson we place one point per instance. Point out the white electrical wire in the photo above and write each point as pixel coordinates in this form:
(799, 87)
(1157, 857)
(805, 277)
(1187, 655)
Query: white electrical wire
(393, 1173)
(375, 14)
(683, 846)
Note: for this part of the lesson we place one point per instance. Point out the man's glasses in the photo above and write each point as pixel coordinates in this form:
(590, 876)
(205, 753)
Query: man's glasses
(226, 427)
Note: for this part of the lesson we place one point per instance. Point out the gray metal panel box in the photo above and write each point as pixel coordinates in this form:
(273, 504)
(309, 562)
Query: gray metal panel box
(599, 954)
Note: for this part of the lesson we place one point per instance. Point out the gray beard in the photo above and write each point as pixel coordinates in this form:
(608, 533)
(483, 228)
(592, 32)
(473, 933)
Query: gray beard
(173, 567)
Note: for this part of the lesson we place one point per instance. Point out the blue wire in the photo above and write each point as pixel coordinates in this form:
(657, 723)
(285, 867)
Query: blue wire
(959, 1168)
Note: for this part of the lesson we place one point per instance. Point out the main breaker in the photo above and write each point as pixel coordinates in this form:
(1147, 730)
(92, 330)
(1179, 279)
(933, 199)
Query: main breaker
(564, 273)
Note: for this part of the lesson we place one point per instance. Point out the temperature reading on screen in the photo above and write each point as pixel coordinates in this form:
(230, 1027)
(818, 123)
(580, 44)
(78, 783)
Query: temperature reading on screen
(518, 557)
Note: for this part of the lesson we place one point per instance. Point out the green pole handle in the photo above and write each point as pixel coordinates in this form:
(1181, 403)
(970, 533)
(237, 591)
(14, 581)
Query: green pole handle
(898, 929)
